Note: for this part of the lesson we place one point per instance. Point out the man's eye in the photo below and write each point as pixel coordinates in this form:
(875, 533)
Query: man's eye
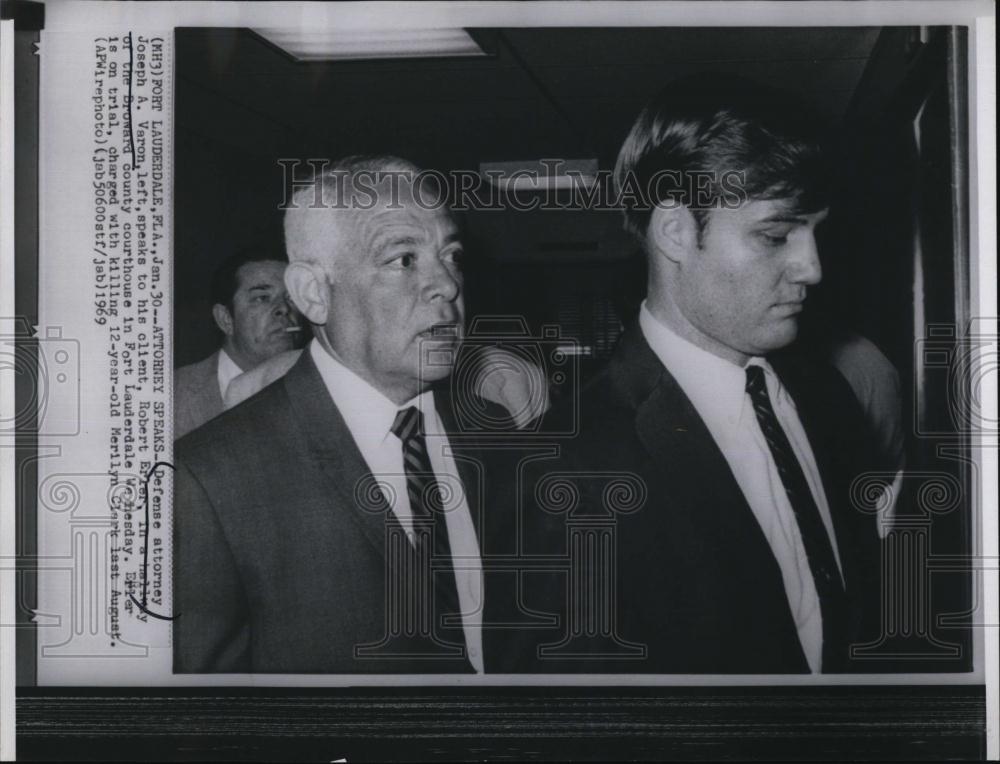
(400, 261)
(456, 256)
(775, 239)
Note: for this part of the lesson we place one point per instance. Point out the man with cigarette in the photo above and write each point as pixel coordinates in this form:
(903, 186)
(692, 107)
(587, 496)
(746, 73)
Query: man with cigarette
(257, 321)
(332, 523)
(746, 555)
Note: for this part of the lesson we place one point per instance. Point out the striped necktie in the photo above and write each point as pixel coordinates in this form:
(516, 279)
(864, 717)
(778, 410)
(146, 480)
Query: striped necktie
(815, 539)
(426, 502)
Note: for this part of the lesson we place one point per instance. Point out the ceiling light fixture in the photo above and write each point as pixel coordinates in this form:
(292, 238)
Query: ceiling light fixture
(362, 44)
(536, 175)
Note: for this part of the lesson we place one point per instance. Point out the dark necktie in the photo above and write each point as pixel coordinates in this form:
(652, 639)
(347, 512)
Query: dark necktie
(818, 549)
(426, 504)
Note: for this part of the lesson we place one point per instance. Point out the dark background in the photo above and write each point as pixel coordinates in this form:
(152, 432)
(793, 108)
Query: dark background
(568, 93)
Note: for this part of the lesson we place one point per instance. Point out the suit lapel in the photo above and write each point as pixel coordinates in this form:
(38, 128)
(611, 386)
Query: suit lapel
(668, 425)
(337, 457)
(679, 442)
(209, 400)
(334, 452)
(686, 458)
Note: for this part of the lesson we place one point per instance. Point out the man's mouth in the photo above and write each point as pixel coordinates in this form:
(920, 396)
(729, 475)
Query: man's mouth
(445, 331)
(792, 306)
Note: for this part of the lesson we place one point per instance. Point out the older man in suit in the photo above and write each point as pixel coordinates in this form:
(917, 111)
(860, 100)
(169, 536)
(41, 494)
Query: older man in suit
(743, 554)
(250, 307)
(332, 523)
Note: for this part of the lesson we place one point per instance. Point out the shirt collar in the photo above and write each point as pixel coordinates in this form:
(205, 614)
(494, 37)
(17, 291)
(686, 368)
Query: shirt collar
(369, 415)
(713, 384)
(227, 371)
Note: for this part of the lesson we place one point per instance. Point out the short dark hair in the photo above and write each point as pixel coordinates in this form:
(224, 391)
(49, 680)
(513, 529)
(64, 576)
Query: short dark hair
(224, 280)
(719, 126)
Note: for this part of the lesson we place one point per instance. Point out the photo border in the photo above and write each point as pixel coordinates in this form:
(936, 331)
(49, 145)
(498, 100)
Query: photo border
(663, 721)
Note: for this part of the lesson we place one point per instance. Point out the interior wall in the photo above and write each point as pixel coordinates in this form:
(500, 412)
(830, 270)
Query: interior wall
(896, 253)
(228, 199)
(242, 105)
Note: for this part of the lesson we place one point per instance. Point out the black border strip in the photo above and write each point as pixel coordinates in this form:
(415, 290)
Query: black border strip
(28, 16)
(516, 723)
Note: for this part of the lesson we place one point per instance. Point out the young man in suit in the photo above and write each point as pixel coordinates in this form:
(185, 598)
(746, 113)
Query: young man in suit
(742, 553)
(332, 523)
(251, 309)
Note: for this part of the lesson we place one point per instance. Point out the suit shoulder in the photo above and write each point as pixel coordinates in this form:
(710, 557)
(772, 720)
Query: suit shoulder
(256, 419)
(601, 400)
(468, 413)
(249, 383)
(195, 374)
(812, 377)
(586, 421)
(494, 412)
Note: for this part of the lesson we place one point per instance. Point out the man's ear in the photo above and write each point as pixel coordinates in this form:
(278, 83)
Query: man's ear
(223, 319)
(673, 232)
(307, 286)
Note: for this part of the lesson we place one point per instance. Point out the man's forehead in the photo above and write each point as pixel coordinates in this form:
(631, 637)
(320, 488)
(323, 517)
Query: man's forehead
(260, 272)
(784, 210)
(406, 222)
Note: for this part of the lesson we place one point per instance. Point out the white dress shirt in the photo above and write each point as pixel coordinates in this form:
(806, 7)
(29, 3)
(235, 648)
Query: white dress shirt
(369, 416)
(227, 372)
(717, 389)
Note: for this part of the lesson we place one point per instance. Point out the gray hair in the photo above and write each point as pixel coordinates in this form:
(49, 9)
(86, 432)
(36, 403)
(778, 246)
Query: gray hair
(314, 225)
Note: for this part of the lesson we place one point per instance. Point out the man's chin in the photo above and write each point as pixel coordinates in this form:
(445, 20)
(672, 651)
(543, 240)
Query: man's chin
(273, 348)
(436, 364)
(780, 336)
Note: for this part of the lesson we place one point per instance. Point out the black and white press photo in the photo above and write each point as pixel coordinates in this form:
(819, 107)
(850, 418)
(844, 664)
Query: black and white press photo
(691, 268)
(621, 359)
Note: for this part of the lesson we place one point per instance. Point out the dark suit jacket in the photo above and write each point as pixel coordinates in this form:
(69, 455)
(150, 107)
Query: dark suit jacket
(697, 585)
(280, 558)
(196, 395)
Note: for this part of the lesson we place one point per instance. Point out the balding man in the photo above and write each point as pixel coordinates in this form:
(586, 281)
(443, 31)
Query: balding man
(304, 515)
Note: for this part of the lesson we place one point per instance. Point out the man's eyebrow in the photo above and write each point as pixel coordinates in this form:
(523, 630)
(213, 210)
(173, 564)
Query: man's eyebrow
(392, 236)
(792, 214)
(264, 285)
(404, 240)
(385, 241)
(784, 217)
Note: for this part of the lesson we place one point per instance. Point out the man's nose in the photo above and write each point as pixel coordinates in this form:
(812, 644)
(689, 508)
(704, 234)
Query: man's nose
(805, 267)
(282, 306)
(441, 284)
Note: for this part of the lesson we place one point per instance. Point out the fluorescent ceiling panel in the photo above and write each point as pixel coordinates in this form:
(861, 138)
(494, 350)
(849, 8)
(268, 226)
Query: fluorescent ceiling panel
(534, 175)
(360, 44)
